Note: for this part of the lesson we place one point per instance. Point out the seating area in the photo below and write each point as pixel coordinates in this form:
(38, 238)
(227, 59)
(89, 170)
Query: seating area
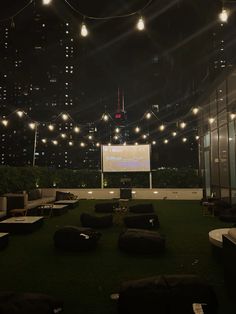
(83, 266)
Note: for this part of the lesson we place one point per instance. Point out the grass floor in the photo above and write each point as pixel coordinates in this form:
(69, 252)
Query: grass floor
(85, 280)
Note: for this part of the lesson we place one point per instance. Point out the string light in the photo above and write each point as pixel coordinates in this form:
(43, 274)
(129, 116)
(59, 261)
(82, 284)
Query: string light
(54, 142)
(140, 24)
(166, 141)
(183, 125)
(136, 143)
(116, 137)
(20, 113)
(90, 137)
(184, 139)
(105, 117)
(117, 130)
(97, 144)
(197, 137)
(76, 129)
(174, 134)
(144, 136)
(44, 140)
(162, 127)
(154, 142)
(137, 129)
(82, 144)
(65, 116)
(83, 30)
(51, 127)
(5, 122)
(63, 135)
(148, 115)
(46, 2)
(32, 125)
(224, 15)
(195, 110)
(70, 143)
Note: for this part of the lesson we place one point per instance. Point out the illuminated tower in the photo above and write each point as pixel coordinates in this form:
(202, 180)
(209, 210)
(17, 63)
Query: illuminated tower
(121, 132)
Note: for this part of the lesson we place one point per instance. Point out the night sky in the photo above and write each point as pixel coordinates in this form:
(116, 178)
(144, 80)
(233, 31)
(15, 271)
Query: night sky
(161, 65)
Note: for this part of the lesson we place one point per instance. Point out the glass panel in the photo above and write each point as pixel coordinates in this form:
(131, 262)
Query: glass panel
(223, 155)
(213, 109)
(207, 139)
(221, 96)
(207, 173)
(232, 152)
(232, 90)
(214, 158)
(222, 118)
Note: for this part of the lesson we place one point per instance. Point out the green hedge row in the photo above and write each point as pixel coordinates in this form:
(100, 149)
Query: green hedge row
(15, 179)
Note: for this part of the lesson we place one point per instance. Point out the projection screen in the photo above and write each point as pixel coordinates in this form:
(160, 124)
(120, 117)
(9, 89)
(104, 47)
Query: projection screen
(125, 158)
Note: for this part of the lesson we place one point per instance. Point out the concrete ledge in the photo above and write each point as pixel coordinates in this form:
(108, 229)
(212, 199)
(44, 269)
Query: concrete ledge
(170, 194)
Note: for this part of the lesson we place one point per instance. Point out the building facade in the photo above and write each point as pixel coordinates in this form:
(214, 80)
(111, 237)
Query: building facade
(217, 130)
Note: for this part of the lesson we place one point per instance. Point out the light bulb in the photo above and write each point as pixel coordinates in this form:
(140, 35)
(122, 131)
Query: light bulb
(44, 140)
(105, 117)
(166, 141)
(32, 125)
(136, 143)
(140, 24)
(137, 129)
(5, 122)
(174, 134)
(83, 30)
(65, 116)
(224, 15)
(197, 137)
(76, 129)
(20, 113)
(184, 139)
(148, 115)
(63, 135)
(82, 144)
(182, 125)
(46, 2)
(54, 142)
(117, 130)
(154, 142)
(97, 144)
(195, 110)
(90, 137)
(51, 127)
(144, 136)
(162, 127)
(70, 143)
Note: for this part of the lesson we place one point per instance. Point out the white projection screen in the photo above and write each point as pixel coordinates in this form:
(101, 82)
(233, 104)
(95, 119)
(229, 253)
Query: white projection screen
(125, 158)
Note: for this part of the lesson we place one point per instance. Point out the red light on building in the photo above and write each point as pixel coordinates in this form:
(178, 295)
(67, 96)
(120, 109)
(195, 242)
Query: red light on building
(117, 115)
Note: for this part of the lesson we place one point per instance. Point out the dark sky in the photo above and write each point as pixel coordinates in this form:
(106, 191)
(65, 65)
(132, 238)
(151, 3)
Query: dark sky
(161, 65)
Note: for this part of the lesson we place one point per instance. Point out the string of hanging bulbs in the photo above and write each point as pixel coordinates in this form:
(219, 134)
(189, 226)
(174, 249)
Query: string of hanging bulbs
(84, 32)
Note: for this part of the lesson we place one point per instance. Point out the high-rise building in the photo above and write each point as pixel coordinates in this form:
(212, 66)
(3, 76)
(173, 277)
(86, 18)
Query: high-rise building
(38, 73)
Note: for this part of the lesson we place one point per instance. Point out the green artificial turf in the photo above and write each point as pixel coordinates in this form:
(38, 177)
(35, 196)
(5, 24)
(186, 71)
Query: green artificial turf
(85, 281)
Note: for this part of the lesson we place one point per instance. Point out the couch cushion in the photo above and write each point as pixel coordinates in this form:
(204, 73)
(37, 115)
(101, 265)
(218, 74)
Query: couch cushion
(34, 194)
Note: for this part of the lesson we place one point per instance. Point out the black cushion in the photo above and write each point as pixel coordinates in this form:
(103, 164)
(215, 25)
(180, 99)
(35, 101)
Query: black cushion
(28, 303)
(106, 207)
(141, 241)
(72, 238)
(143, 221)
(141, 208)
(91, 221)
(168, 294)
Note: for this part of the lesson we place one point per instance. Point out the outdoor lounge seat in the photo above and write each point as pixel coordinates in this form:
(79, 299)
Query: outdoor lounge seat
(143, 221)
(28, 303)
(141, 241)
(106, 207)
(141, 208)
(72, 238)
(92, 221)
(169, 294)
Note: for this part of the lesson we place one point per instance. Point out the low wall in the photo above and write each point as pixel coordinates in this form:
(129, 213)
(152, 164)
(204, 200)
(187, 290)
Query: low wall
(171, 194)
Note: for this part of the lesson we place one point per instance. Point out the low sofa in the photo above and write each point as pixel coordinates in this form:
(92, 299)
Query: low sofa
(30, 200)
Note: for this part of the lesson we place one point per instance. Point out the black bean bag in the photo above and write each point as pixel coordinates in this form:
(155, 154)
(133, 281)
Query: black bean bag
(170, 294)
(72, 238)
(91, 221)
(141, 208)
(29, 303)
(106, 207)
(143, 221)
(141, 241)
